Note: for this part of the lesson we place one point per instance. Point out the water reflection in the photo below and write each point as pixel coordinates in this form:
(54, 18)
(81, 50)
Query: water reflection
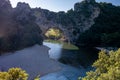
(83, 56)
(69, 54)
(55, 50)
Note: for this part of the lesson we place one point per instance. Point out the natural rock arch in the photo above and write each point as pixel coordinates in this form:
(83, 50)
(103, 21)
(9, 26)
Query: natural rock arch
(59, 27)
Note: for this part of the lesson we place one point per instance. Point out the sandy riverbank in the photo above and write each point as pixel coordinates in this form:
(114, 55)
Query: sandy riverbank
(34, 60)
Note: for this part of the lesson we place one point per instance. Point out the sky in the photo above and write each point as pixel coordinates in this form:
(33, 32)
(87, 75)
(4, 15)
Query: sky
(56, 5)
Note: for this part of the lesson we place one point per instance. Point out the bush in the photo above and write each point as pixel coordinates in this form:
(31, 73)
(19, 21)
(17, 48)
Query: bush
(53, 33)
(107, 67)
(14, 74)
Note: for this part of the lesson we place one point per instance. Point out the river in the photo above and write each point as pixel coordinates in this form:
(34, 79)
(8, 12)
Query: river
(70, 54)
(73, 61)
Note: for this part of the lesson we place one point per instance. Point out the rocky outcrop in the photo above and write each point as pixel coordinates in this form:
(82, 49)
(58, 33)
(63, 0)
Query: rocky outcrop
(8, 27)
(71, 23)
(23, 25)
(17, 27)
(86, 13)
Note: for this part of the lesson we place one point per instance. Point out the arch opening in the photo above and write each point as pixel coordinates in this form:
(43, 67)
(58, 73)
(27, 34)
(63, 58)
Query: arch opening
(54, 34)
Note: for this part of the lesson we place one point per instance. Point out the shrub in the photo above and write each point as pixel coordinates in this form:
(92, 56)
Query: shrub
(107, 67)
(14, 74)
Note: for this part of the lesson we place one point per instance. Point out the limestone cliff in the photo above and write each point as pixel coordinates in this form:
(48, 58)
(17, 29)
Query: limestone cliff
(17, 30)
(27, 24)
(71, 23)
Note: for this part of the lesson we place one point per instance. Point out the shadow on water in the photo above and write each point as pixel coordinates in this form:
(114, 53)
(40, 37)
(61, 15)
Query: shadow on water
(70, 54)
(84, 57)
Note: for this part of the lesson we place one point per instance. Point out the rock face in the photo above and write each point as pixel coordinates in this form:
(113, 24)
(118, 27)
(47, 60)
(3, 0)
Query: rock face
(30, 31)
(5, 8)
(71, 23)
(23, 25)
(17, 30)
(47, 19)
(8, 26)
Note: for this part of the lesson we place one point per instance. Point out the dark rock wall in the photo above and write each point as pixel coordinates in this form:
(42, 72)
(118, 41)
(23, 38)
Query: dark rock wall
(17, 27)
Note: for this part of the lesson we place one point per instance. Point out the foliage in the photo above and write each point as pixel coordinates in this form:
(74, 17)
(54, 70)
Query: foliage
(53, 33)
(14, 74)
(111, 39)
(84, 9)
(106, 30)
(107, 67)
(37, 78)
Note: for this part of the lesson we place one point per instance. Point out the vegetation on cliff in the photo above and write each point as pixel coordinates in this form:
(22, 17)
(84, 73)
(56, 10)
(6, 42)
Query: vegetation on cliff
(72, 23)
(88, 24)
(106, 30)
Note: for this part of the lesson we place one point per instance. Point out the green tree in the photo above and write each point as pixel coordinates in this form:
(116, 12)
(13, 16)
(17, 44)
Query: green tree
(53, 33)
(107, 67)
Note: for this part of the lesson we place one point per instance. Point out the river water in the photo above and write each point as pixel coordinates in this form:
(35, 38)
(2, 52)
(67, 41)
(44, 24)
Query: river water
(70, 54)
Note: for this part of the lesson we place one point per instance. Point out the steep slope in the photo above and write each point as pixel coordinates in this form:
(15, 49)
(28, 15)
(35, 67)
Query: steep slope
(29, 30)
(13, 34)
(8, 27)
(106, 30)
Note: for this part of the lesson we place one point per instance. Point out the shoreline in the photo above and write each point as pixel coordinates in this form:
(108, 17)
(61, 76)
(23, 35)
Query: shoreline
(101, 48)
(107, 49)
(35, 60)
